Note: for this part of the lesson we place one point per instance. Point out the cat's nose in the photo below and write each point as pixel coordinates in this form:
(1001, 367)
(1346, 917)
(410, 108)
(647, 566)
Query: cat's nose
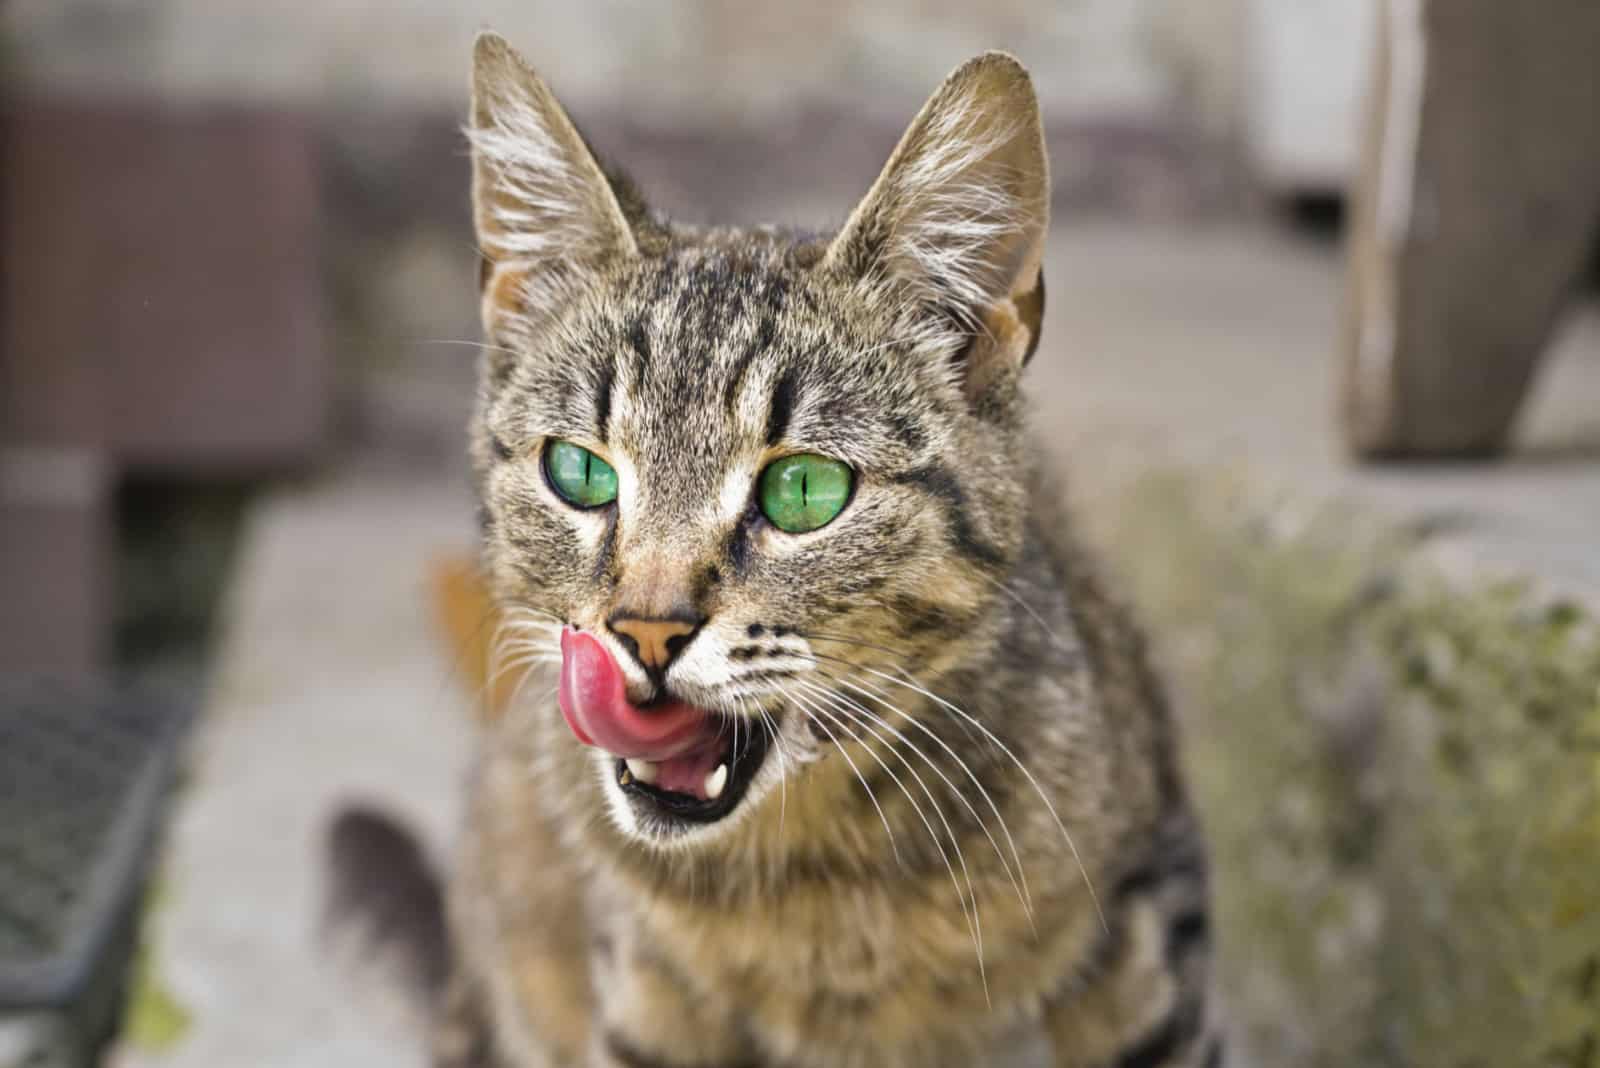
(654, 641)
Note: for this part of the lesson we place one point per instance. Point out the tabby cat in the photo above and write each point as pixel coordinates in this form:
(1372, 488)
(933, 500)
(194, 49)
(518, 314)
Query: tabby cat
(842, 756)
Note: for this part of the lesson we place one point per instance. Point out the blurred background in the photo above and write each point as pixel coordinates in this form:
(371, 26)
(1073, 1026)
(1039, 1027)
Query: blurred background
(1322, 361)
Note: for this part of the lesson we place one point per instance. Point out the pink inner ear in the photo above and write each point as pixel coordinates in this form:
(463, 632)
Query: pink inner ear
(594, 700)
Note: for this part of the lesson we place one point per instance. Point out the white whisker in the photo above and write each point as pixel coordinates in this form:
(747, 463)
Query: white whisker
(1021, 888)
(1022, 767)
(969, 911)
(893, 845)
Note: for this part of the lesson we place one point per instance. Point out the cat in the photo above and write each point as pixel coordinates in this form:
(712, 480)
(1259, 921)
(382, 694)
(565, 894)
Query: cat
(841, 755)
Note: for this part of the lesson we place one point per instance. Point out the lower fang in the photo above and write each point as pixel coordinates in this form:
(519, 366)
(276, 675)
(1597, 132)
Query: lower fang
(644, 770)
(716, 781)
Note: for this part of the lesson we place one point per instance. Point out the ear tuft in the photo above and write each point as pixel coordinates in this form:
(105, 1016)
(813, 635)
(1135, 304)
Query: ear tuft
(958, 217)
(541, 203)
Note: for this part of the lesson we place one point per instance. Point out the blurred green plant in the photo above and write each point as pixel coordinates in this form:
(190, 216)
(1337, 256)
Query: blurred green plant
(154, 1020)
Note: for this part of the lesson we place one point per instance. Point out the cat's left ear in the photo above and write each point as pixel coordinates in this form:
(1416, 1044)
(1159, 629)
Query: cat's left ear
(959, 214)
(543, 208)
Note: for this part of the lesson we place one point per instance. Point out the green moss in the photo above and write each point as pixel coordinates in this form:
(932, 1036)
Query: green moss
(1400, 777)
(155, 1021)
(1493, 861)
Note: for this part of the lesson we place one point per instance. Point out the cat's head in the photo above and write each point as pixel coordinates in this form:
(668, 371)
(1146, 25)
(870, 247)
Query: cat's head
(754, 479)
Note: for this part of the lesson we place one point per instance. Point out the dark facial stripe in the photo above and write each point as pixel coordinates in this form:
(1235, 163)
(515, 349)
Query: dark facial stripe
(937, 481)
(501, 450)
(705, 580)
(765, 675)
(608, 547)
(500, 365)
(762, 342)
(737, 550)
(1163, 1045)
(1214, 1054)
(602, 389)
(1183, 877)
(782, 409)
(906, 430)
(1189, 930)
(640, 343)
(914, 618)
(1182, 861)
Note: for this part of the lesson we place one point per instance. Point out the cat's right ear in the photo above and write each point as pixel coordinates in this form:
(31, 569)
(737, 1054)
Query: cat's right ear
(957, 219)
(543, 209)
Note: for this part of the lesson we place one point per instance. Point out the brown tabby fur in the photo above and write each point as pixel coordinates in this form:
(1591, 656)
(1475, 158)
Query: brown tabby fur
(968, 842)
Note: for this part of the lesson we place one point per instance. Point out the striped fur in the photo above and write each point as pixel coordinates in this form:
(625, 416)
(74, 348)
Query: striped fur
(969, 842)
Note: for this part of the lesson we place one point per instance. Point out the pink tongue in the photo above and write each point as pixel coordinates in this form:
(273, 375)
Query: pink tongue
(594, 700)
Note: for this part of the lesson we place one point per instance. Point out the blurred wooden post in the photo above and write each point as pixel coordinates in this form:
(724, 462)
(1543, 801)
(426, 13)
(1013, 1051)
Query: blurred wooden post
(56, 560)
(160, 313)
(1474, 211)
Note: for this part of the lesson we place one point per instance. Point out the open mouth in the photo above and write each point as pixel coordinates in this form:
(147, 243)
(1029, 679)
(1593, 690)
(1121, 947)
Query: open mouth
(703, 784)
(685, 762)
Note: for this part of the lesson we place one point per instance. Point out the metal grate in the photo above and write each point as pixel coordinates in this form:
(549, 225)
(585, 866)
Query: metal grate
(82, 776)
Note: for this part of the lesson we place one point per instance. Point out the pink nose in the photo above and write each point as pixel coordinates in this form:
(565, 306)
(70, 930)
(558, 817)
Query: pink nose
(594, 700)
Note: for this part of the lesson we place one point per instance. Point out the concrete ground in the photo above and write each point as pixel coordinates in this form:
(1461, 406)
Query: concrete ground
(332, 684)
(1200, 345)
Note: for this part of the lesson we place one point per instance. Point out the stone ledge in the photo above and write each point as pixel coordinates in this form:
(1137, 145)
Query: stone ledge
(1398, 760)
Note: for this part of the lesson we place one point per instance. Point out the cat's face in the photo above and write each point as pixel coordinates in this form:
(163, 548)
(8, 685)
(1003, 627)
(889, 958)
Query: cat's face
(759, 472)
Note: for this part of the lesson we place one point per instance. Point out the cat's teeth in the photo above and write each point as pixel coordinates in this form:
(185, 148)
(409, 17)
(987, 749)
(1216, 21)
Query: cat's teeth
(716, 781)
(644, 770)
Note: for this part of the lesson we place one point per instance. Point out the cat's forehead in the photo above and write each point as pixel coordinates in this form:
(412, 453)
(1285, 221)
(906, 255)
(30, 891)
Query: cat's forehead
(720, 352)
(714, 353)
(729, 351)
(695, 319)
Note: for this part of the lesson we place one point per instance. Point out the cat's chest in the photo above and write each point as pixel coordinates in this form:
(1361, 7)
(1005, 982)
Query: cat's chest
(855, 982)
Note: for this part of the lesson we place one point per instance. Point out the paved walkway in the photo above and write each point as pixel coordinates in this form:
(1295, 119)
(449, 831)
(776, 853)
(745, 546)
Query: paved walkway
(1198, 345)
(332, 684)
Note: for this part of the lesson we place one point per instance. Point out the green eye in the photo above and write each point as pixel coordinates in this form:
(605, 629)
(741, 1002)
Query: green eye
(801, 493)
(579, 475)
